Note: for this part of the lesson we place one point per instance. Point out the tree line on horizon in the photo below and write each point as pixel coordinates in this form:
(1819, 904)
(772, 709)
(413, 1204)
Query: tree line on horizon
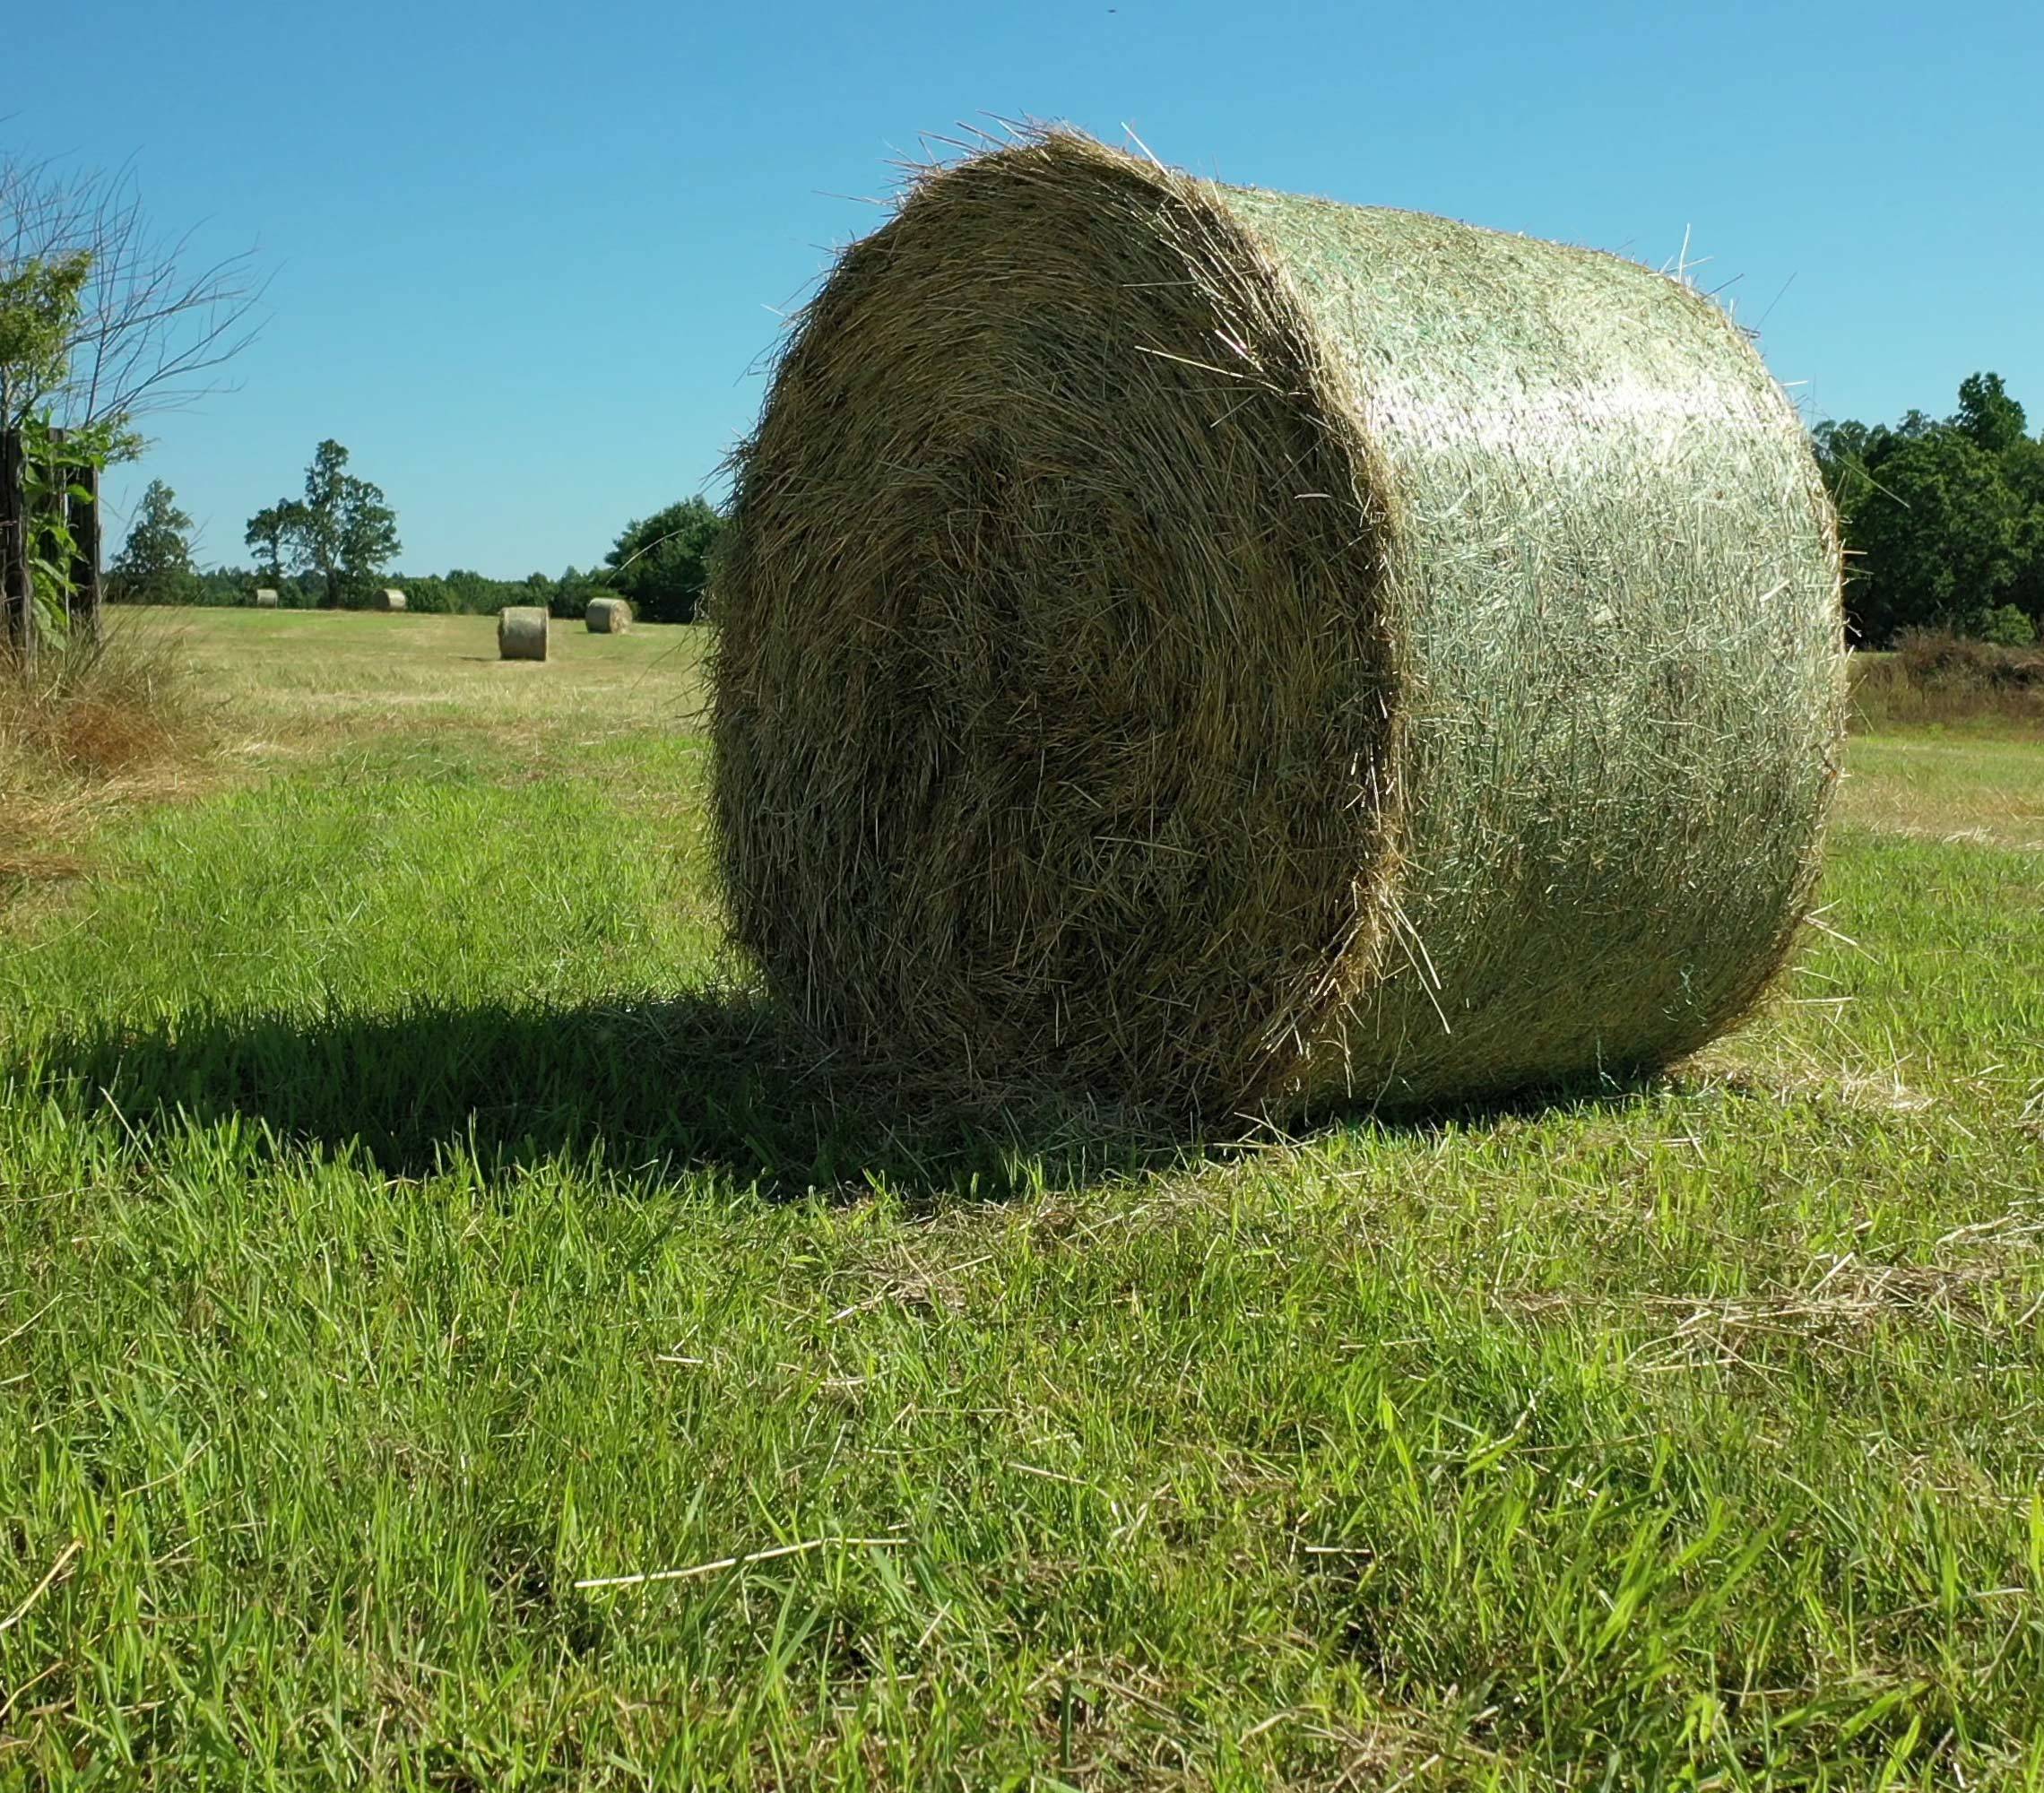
(1941, 519)
(1942, 522)
(332, 549)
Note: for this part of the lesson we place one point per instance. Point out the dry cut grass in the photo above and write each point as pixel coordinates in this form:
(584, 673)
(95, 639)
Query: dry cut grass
(1934, 680)
(97, 724)
(1948, 787)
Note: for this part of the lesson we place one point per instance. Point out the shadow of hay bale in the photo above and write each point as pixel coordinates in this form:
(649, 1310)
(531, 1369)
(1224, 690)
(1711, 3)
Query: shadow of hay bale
(704, 1082)
(709, 1082)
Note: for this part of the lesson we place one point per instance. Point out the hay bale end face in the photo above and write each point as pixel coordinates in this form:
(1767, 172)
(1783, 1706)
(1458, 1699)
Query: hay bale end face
(390, 598)
(265, 598)
(608, 616)
(1208, 646)
(522, 632)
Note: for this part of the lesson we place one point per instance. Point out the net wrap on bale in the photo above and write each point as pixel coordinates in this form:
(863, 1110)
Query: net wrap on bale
(1241, 650)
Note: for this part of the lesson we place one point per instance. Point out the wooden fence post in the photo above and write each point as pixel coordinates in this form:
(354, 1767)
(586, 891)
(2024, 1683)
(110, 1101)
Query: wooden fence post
(17, 587)
(83, 600)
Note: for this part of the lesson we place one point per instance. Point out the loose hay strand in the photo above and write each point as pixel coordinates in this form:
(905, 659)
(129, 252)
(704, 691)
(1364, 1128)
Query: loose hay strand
(695, 1570)
(1219, 648)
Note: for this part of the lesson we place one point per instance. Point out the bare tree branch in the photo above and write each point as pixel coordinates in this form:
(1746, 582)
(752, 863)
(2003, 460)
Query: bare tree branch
(151, 333)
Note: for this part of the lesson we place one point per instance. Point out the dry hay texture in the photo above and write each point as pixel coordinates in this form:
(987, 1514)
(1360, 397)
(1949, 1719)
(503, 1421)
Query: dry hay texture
(1244, 653)
(390, 598)
(608, 616)
(521, 631)
(265, 598)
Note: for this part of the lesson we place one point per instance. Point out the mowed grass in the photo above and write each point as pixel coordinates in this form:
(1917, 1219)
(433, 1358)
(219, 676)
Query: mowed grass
(1945, 786)
(308, 678)
(407, 1217)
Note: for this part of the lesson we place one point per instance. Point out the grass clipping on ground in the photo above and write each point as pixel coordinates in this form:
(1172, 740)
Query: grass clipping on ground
(1218, 648)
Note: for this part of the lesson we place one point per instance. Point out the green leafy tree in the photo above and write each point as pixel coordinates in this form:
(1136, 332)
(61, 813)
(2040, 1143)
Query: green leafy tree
(1989, 416)
(268, 536)
(155, 566)
(342, 530)
(1940, 537)
(1943, 523)
(662, 563)
(40, 301)
(2023, 466)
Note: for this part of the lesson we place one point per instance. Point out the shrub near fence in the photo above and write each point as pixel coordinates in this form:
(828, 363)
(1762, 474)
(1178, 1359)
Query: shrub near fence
(1936, 678)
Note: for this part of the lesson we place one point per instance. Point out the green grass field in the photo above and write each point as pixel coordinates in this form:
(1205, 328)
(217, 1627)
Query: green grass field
(408, 1226)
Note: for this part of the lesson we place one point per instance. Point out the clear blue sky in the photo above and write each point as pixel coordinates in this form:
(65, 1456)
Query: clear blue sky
(527, 256)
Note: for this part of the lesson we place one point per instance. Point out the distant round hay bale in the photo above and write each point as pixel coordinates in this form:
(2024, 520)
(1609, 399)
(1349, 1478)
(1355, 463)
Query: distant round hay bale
(522, 632)
(608, 616)
(265, 598)
(1239, 651)
(389, 599)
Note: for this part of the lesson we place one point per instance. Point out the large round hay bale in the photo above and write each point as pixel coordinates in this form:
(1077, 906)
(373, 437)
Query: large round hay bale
(608, 616)
(389, 599)
(265, 598)
(522, 632)
(1192, 644)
